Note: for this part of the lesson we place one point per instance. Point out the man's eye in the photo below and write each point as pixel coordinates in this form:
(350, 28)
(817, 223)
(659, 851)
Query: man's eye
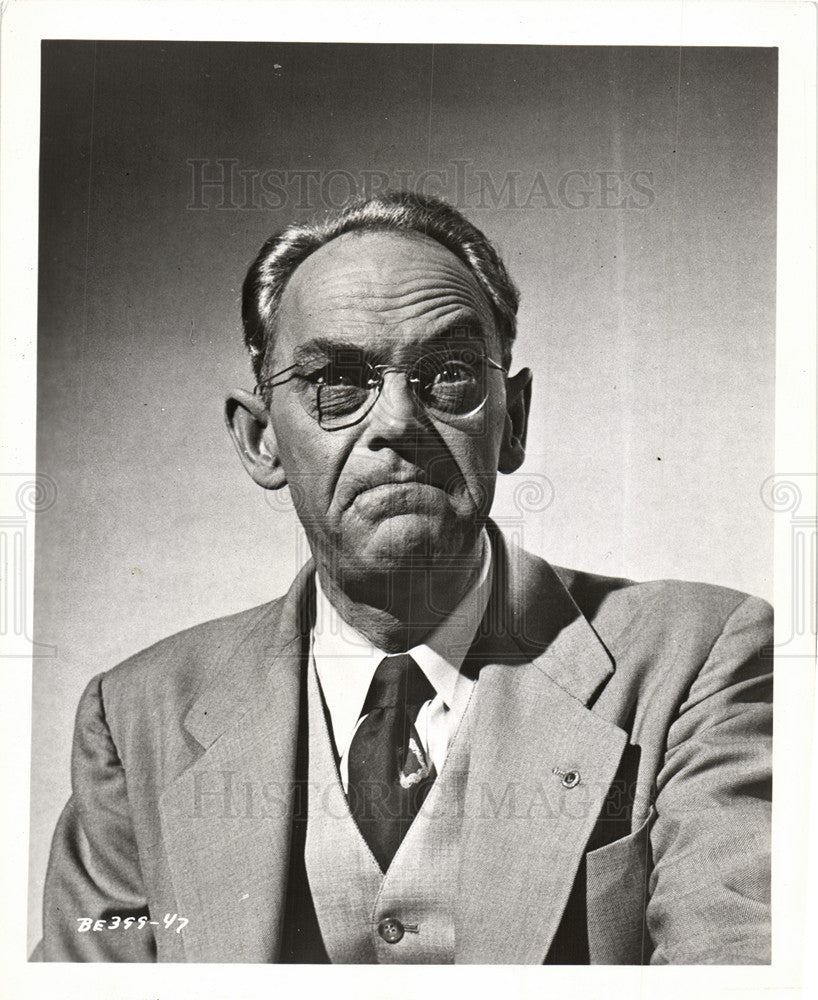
(452, 372)
(337, 375)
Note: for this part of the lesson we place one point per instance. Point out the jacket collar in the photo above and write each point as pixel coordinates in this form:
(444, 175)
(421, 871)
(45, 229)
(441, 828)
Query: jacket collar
(533, 618)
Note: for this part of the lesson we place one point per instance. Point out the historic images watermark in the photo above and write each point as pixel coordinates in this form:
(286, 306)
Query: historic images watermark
(225, 184)
(224, 795)
(24, 496)
(796, 494)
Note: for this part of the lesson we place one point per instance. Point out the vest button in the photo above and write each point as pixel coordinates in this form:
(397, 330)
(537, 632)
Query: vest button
(391, 930)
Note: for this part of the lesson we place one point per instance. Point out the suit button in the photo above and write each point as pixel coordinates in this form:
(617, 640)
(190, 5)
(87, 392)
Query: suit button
(391, 930)
(570, 779)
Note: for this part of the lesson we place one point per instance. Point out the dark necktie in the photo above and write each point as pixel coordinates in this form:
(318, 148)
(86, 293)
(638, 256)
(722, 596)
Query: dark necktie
(389, 776)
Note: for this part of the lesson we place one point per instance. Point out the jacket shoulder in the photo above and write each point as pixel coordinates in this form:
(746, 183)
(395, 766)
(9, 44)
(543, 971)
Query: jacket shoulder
(592, 590)
(668, 630)
(180, 665)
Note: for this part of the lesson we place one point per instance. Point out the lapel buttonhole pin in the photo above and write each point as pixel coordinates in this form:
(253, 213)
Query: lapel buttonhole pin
(570, 779)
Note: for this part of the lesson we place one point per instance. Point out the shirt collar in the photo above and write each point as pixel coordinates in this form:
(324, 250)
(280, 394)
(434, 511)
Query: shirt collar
(346, 661)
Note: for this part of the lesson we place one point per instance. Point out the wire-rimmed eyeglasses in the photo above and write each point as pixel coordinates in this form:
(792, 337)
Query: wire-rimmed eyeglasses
(452, 386)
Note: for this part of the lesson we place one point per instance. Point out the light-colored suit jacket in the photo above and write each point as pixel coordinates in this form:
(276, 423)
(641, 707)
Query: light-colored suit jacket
(655, 696)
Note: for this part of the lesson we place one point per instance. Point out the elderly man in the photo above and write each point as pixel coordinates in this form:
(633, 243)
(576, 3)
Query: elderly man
(436, 747)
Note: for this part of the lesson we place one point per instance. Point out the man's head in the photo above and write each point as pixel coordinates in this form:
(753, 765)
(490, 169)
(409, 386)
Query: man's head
(381, 341)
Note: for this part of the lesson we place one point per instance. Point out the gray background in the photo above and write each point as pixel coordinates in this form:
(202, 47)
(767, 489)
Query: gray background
(647, 312)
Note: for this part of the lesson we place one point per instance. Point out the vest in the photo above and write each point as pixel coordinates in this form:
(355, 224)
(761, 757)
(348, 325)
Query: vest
(364, 915)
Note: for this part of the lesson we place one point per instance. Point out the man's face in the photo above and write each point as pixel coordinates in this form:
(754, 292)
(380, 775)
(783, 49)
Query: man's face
(401, 486)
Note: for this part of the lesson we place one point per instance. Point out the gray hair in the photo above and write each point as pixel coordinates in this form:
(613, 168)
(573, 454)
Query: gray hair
(394, 211)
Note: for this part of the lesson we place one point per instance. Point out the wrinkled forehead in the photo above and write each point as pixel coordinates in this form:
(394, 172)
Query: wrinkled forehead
(383, 292)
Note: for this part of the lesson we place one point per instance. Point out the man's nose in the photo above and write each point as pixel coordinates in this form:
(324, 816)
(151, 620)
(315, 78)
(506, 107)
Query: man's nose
(397, 410)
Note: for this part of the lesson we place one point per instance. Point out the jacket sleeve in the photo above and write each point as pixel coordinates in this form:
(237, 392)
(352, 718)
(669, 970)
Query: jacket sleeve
(710, 886)
(93, 872)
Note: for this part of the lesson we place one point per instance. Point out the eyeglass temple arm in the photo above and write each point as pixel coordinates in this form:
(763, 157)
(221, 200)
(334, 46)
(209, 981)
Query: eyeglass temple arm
(272, 380)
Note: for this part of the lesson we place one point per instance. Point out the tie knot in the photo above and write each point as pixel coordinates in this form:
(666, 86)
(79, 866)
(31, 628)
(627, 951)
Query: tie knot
(398, 681)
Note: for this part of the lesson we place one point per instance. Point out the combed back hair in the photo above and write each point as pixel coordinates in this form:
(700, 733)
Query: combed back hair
(392, 211)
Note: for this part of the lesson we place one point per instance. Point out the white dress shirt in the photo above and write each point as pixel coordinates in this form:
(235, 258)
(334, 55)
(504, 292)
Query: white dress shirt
(345, 663)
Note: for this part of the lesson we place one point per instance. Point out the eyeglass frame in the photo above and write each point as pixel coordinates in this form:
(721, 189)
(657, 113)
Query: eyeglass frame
(380, 370)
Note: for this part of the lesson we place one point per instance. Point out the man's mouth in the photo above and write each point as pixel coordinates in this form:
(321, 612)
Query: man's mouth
(398, 487)
(418, 478)
(400, 498)
(404, 488)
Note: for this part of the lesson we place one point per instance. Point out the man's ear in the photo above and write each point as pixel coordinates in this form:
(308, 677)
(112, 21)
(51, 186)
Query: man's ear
(248, 421)
(518, 401)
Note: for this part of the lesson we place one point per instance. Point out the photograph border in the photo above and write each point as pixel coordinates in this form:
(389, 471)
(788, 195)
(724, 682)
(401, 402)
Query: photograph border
(788, 26)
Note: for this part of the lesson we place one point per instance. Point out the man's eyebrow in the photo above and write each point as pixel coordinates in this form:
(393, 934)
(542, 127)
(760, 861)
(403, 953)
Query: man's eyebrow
(461, 328)
(323, 347)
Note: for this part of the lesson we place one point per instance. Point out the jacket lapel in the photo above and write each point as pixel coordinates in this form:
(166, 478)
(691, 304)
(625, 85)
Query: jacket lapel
(226, 819)
(527, 819)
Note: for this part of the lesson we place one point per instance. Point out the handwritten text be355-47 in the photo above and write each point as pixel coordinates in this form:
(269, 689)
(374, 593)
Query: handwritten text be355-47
(116, 923)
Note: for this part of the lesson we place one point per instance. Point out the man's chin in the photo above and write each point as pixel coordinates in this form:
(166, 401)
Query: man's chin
(409, 541)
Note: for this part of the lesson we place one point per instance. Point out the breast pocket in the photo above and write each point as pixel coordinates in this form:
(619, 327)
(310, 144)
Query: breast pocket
(617, 892)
